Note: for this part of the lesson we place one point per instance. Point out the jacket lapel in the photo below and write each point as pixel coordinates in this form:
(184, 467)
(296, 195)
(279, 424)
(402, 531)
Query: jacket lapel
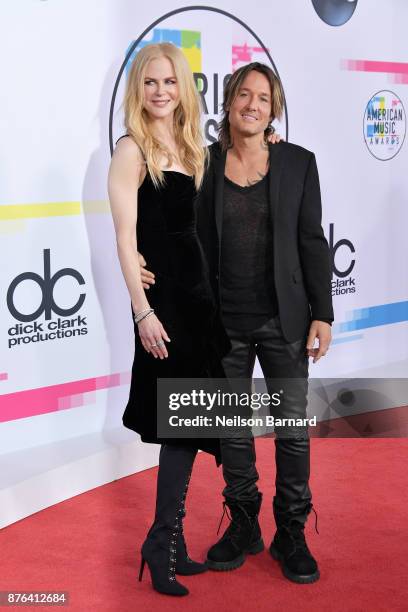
(219, 166)
(276, 158)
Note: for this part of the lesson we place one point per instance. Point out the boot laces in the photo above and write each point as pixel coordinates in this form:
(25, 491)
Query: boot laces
(224, 512)
(295, 530)
(233, 531)
(317, 531)
(178, 533)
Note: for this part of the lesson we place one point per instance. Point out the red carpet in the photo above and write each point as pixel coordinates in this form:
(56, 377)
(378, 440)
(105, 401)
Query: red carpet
(89, 545)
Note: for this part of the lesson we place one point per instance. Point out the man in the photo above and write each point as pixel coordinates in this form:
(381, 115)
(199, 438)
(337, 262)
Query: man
(259, 220)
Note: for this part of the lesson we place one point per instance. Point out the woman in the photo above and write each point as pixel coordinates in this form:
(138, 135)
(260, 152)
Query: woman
(154, 175)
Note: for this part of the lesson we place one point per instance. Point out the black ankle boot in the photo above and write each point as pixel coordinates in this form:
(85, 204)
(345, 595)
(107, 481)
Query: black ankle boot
(242, 537)
(289, 547)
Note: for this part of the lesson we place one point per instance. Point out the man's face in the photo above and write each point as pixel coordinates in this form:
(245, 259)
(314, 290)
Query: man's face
(250, 112)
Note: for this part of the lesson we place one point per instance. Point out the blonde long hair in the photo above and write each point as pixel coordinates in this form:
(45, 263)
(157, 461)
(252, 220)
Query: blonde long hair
(187, 125)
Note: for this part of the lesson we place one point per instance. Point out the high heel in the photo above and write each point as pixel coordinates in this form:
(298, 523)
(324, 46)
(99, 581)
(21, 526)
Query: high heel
(162, 574)
(142, 566)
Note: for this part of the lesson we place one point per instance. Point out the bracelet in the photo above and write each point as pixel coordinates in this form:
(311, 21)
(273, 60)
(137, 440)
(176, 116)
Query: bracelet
(143, 315)
(141, 312)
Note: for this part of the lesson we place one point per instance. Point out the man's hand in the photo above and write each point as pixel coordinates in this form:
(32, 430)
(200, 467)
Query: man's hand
(321, 331)
(146, 276)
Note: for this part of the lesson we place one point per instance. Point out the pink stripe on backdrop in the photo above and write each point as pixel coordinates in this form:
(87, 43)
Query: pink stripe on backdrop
(3, 376)
(401, 79)
(32, 402)
(373, 66)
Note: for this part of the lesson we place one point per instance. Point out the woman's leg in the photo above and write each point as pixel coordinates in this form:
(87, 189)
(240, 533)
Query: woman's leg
(175, 466)
(160, 546)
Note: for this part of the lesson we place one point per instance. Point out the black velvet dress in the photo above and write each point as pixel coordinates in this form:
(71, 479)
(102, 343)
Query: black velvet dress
(182, 299)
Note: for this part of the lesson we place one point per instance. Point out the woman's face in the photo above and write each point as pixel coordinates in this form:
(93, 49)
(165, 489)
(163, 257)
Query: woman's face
(161, 93)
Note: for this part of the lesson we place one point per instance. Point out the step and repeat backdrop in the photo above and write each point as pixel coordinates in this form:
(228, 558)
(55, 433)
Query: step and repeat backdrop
(66, 333)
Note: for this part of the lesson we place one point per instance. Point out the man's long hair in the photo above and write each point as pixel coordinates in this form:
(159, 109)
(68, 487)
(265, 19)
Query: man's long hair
(231, 91)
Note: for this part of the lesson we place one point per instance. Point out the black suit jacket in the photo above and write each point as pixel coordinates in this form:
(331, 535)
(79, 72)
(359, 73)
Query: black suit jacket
(302, 265)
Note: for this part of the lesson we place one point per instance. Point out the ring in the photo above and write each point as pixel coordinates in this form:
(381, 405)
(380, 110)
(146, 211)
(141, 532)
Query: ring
(153, 345)
(160, 343)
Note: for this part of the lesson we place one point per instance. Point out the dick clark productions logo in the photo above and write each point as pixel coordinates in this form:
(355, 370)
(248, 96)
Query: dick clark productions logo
(30, 330)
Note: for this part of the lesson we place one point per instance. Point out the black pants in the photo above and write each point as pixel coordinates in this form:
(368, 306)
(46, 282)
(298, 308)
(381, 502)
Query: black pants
(278, 359)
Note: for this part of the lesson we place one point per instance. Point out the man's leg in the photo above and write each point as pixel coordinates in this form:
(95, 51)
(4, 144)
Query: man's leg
(280, 360)
(238, 454)
(240, 474)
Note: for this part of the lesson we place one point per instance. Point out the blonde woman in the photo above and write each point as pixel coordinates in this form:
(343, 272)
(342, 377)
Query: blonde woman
(155, 173)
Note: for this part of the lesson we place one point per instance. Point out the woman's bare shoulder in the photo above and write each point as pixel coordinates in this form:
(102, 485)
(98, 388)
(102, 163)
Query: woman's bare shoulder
(127, 149)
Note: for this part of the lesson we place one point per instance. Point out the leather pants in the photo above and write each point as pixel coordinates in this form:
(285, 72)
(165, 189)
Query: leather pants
(278, 360)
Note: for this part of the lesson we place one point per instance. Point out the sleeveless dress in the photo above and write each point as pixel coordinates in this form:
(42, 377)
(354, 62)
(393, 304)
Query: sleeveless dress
(183, 302)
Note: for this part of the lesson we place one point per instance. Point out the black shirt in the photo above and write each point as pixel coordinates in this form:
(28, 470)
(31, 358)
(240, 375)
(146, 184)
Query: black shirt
(248, 297)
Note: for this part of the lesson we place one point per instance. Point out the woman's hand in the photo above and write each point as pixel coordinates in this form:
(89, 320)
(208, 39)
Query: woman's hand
(275, 138)
(153, 336)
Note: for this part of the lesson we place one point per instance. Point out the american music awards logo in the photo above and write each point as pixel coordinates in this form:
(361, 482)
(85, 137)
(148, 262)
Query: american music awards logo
(384, 125)
(215, 44)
